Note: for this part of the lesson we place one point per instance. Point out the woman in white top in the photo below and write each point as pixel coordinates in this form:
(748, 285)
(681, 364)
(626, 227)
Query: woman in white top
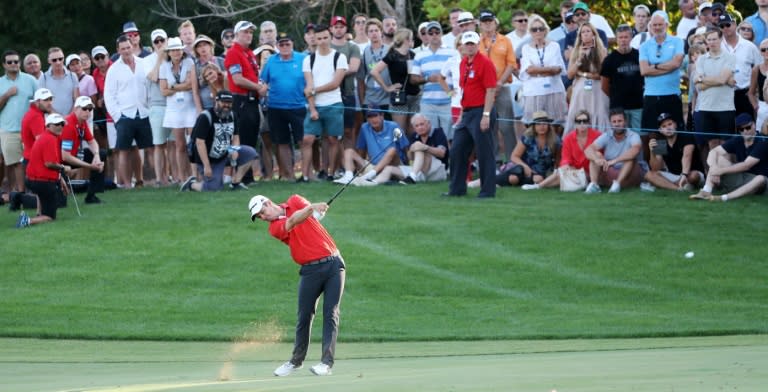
(540, 69)
(178, 83)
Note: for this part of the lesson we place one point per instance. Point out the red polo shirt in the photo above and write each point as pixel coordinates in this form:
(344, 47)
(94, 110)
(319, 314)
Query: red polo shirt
(73, 134)
(32, 125)
(308, 241)
(47, 148)
(100, 78)
(475, 78)
(241, 60)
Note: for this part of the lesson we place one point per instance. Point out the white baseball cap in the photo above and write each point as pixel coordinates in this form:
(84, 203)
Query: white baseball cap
(54, 118)
(83, 101)
(70, 58)
(256, 204)
(174, 43)
(470, 37)
(99, 50)
(465, 17)
(42, 94)
(244, 25)
(704, 6)
(158, 33)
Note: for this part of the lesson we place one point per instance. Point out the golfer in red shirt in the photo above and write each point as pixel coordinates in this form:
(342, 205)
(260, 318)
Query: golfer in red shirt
(477, 78)
(296, 223)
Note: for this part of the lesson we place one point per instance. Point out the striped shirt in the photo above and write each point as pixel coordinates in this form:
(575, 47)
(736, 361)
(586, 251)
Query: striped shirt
(427, 63)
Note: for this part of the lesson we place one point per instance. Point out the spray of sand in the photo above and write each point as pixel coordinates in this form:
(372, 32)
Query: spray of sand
(255, 336)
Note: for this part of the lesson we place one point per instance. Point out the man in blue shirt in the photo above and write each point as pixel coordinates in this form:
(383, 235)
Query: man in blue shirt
(660, 60)
(16, 91)
(283, 79)
(758, 21)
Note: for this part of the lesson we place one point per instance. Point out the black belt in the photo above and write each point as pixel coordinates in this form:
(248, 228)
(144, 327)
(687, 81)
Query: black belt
(323, 260)
(472, 108)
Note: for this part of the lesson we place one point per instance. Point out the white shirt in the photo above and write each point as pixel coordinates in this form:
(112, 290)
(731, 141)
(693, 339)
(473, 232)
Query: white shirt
(449, 40)
(323, 73)
(638, 40)
(518, 41)
(685, 26)
(548, 56)
(127, 91)
(600, 23)
(747, 56)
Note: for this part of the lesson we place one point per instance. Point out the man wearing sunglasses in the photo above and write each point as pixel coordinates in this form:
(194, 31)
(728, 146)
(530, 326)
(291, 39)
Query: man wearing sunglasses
(435, 102)
(62, 83)
(74, 152)
(16, 90)
(747, 55)
(759, 20)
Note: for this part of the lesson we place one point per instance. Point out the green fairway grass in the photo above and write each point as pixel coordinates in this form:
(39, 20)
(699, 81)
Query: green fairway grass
(700, 364)
(161, 265)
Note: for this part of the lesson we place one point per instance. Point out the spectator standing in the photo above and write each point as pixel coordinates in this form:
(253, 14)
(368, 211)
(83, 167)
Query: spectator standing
(86, 84)
(16, 91)
(501, 52)
(397, 61)
(640, 14)
(745, 31)
(370, 91)
(584, 69)
(435, 102)
(747, 56)
(80, 149)
(660, 61)
(165, 161)
(204, 56)
(62, 83)
(309, 38)
(759, 20)
(757, 87)
(324, 72)
(361, 38)
(714, 80)
(85, 62)
(567, 25)
(126, 99)
(103, 125)
(243, 76)
(351, 51)
(689, 20)
(478, 82)
(389, 28)
(227, 39)
(621, 80)
(32, 66)
(187, 34)
(520, 34)
(449, 38)
(283, 80)
(131, 31)
(540, 69)
(33, 122)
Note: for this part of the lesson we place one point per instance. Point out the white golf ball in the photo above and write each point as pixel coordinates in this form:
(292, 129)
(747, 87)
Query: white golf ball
(689, 254)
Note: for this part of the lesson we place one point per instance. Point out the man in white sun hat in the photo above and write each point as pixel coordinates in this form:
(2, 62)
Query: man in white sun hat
(296, 223)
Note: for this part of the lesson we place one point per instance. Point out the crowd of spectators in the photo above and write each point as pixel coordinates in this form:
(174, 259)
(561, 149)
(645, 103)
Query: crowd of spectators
(578, 96)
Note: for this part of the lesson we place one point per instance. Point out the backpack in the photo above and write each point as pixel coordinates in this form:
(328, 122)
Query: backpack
(336, 55)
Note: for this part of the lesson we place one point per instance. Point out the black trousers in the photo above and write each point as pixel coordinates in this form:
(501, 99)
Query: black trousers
(467, 137)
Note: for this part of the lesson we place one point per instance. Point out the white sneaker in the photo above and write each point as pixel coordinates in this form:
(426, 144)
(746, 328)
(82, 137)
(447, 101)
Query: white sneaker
(321, 369)
(419, 177)
(370, 175)
(286, 369)
(647, 187)
(530, 187)
(592, 188)
(615, 187)
(363, 182)
(347, 177)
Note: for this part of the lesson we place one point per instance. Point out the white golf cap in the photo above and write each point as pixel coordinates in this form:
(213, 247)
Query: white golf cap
(704, 6)
(42, 94)
(174, 43)
(158, 33)
(99, 50)
(83, 102)
(71, 58)
(256, 204)
(470, 37)
(244, 25)
(465, 17)
(54, 118)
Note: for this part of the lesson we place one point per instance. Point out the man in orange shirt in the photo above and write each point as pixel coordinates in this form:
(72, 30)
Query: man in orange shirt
(296, 223)
(498, 48)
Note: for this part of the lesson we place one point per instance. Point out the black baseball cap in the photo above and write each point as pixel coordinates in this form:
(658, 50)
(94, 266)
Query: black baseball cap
(224, 95)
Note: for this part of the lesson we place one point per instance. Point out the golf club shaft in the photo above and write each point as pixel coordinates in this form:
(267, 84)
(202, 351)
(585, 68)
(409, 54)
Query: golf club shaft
(361, 171)
(72, 191)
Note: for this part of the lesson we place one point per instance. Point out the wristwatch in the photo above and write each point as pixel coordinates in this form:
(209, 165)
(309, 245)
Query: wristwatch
(486, 114)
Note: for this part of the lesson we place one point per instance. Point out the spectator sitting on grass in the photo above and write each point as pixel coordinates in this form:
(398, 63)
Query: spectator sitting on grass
(615, 157)
(738, 166)
(428, 152)
(378, 142)
(572, 153)
(216, 139)
(674, 163)
(534, 158)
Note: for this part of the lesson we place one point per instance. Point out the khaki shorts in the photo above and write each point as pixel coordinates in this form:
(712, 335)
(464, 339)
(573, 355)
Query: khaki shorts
(10, 143)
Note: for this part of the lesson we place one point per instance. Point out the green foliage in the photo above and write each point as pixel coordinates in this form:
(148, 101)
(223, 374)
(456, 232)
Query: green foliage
(438, 10)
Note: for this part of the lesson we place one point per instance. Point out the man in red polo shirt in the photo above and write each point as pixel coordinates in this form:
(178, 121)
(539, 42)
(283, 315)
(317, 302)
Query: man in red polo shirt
(74, 136)
(33, 122)
(243, 75)
(296, 223)
(477, 78)
(43, 172)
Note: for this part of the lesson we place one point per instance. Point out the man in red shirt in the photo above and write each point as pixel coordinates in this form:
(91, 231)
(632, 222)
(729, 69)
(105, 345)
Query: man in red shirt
(296, 223)
(477, 78)
(43, 172)
(73, 137)
(33, 122)
(243, 75)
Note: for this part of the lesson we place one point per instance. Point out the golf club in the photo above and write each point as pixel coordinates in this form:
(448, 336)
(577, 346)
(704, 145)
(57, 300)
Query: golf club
(72, 192)
(397, 133)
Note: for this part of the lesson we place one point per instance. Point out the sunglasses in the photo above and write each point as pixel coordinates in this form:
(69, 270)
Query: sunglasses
(658, 50)
(159, 41)
(580, 14)
(582, 121)
(764, 50)
(742, 129)
(433, 33)
(229, 36)
(99, 57)
(724, 25)
(88, 108)
(58, 59)
(537, 29)
(9, 62)
(132, 34)
(746, 29)
(520, 20)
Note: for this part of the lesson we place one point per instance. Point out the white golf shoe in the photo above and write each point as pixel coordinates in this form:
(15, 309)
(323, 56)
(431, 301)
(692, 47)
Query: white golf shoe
(286, 369)
(321, 369)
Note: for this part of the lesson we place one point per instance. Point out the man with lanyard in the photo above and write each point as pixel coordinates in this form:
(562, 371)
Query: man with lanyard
(498, 48)
(296, 223)
(747, 56)
(477, 77)
(243, 75)
(660, 60)
(73, 137)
